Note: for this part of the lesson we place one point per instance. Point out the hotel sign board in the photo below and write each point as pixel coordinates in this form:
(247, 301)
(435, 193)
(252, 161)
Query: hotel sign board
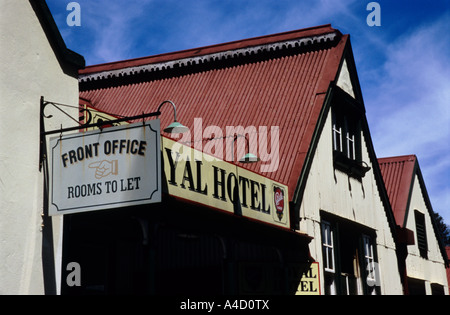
(310, 280)
(104, 169)
(200, 178)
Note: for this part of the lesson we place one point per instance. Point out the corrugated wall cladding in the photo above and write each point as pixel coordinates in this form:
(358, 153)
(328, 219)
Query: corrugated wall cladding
(278, 92)
(397, 174)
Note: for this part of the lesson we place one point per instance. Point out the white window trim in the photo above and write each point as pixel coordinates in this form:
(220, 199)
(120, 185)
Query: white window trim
(337, 132)
(351, 153)
(328, 245)
(369, 257)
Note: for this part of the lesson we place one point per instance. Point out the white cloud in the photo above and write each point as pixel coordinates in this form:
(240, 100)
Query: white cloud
(110, 28)
(203, 22)
(410, 111)
(413, 95)
(117, 30)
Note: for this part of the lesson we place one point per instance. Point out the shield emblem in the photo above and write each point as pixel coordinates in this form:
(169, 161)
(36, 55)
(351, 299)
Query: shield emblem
(278, 198)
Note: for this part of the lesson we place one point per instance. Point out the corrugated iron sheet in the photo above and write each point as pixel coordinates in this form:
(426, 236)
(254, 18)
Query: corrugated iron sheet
(286, 92)
(397, 174)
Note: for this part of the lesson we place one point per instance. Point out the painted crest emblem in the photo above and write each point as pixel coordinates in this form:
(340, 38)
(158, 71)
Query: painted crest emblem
(278, 196)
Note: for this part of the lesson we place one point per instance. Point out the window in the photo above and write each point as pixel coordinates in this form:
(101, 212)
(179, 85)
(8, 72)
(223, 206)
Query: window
(437, 289)
(349, 257)
(416, 287)
(337, 134)
(370, 264)
(344, 136)
(351, 150)
(328, 258)
(328, 247)
(369, 258)
(421, 234)
(346, 119)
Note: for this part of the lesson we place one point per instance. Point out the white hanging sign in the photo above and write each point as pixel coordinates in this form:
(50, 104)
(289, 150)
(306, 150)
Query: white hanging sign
(105, 169)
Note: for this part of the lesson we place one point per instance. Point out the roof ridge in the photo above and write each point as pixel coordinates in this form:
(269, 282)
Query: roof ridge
(224, 51)
(400, 158)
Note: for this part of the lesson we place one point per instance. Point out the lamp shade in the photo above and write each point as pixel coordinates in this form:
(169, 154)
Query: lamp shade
(249, 158)
(176, 127)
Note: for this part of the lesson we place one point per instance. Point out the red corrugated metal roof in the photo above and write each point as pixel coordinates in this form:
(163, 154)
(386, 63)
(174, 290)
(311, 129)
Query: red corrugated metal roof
(398, 174)
(277, 80)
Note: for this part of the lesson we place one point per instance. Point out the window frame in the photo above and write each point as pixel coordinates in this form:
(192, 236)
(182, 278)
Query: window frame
(337, 133)
(328, 247)
(422, 238)
(369, 260)
(347, 115)
(345, 135)
(349, 239)
(350, 141)
(330, 280)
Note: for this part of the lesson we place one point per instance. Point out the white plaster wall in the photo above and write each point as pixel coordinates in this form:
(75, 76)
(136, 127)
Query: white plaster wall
(335, 192)
(432, 270)
(29, 70)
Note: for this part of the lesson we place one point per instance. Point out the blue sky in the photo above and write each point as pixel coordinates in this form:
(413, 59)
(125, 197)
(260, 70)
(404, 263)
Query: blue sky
(403, 65)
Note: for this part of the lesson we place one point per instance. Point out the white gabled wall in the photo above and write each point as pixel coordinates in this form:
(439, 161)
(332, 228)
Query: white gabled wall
(336, 193)
(30, 70)
(432, 269)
